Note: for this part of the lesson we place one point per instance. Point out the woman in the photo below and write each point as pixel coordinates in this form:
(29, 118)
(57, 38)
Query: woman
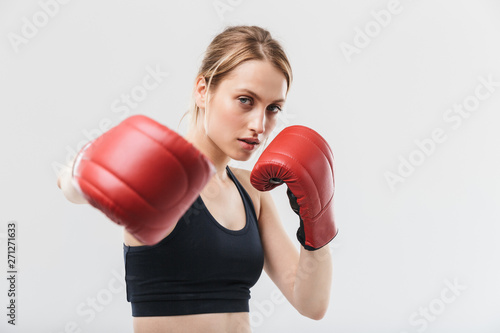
(239, 91)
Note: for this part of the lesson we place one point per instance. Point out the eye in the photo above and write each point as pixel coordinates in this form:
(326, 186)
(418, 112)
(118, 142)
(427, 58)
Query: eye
(274, 108)
(245, 100)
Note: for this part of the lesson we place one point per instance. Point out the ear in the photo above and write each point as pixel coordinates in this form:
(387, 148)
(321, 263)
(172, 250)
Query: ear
(200, 92)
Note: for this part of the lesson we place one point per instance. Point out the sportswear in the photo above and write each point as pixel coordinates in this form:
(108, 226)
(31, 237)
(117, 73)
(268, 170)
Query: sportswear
(200, 267)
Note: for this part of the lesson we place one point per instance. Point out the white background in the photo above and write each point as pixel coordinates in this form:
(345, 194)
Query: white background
(397, 247)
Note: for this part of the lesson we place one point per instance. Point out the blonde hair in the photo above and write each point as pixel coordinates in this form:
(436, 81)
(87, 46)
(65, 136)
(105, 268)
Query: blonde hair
(230, 48)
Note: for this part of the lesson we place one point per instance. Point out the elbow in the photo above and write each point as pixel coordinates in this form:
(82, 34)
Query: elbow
(313, 307)
(317, 313)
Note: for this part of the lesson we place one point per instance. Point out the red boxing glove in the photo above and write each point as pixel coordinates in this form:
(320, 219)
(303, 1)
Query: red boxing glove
(302, 159)
(142, 175)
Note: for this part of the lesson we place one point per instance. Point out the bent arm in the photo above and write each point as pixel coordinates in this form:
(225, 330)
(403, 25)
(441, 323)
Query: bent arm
(313, 281)
(304, 278)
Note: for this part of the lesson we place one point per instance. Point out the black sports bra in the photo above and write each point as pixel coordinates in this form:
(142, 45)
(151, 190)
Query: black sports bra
(200, 267)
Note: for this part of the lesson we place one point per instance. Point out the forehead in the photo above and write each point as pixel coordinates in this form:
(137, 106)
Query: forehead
(259, 76)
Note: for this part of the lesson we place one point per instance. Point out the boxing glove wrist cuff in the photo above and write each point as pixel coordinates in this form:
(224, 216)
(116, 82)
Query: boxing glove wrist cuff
(301, 237)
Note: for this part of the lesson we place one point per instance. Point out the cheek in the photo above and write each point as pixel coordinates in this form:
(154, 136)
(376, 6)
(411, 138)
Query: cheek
(229, 118)
(223, 119)
(271, 123)
(218, 112)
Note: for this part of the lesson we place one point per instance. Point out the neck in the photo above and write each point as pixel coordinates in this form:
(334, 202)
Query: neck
(200, 140)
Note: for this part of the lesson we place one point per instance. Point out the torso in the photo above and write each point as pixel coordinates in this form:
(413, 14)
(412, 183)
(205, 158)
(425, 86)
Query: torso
(225, 204)
(200, 323)
(224, 201)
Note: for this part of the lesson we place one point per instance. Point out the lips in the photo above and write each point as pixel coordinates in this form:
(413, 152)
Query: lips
(248, 144)
(252, 141)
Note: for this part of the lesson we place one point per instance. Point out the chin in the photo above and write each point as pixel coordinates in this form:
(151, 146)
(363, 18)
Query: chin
(242, 157)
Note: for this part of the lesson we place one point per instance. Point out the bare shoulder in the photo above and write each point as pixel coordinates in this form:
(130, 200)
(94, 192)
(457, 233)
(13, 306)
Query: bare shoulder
(244, 178)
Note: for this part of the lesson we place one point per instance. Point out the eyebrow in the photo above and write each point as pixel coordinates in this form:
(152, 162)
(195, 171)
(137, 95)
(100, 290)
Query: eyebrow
(257, 96)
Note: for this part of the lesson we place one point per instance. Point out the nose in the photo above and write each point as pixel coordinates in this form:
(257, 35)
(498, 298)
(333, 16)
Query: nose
(257, 121)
